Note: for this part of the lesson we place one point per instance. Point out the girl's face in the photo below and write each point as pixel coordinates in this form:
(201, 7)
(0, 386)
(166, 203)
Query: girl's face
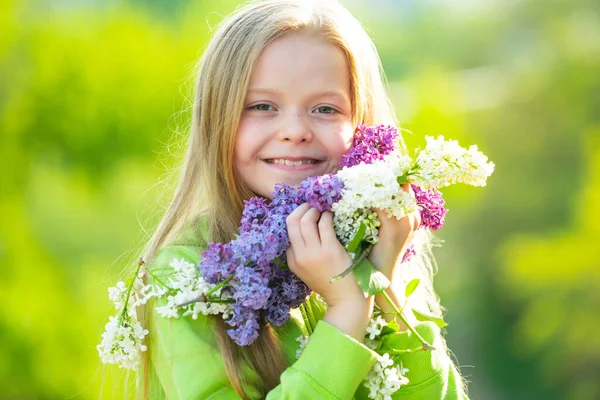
(297, 119)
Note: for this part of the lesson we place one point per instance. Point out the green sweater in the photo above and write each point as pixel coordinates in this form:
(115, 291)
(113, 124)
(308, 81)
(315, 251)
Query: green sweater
(184, 361)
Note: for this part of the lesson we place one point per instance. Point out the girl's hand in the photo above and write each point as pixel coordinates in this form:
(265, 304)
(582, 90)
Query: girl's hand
(394, 238)
(316, 256)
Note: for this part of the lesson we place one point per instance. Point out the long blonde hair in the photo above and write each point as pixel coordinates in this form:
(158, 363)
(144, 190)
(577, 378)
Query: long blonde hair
(209, 184)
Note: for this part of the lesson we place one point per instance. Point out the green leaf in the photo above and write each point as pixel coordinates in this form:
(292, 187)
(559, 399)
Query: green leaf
(391, 327)
(386, 330)
(370, 280)
(358, 237)
(410, 288)
(281, 264)
(420, 316)
(401, 180)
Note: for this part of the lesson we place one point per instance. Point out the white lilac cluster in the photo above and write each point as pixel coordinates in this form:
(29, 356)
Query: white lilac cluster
(122, 343)
(303, 340)
(370, 186)
(373, 331)
(376, 185)
(375, 182)
(445, 162)
(122, 340)
(184, 285)
(375, 326)
(346, 225)
(385, 378)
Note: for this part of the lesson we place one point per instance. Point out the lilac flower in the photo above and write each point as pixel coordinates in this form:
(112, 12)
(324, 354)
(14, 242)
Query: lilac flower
(288, 291)
(246, 326)
(290, 288)
(251, 289)
(431, 207)
(259, 286)
(217, 262)
(321, 191)
(258, 246)
(409, 253)
(370, 143)
(278, 228)
(255, 211)
(279, 313)
(285, 199)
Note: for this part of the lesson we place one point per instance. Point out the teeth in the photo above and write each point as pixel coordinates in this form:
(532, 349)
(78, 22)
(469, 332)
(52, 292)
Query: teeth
(291, 163)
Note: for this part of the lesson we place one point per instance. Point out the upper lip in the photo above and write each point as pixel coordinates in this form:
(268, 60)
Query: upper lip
(290, 158)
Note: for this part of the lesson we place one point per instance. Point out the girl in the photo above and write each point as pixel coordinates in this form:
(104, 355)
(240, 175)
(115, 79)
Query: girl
(280, 90)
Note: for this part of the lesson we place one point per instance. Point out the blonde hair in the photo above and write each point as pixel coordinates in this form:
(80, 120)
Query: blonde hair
(209, 184)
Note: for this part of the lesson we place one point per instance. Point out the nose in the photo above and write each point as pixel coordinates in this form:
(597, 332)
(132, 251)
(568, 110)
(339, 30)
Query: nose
(294, 128)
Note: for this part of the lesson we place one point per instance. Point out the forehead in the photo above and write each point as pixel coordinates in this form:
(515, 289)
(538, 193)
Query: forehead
(301, 61)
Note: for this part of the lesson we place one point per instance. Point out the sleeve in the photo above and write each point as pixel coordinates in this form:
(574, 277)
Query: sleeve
(188, 365)
(332, 366)
(431, 374)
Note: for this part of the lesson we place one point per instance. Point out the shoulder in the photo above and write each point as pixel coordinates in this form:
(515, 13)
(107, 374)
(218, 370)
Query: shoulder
(188, 245)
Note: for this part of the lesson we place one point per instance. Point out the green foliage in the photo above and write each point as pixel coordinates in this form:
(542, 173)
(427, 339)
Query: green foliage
(422, 316)
(356, 240)
(369, 279)
(411, 287)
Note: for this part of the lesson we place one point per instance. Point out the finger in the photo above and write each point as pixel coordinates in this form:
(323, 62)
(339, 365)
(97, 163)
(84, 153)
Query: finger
(326, 231)
(293, 226)
(308, 227)
(417, 220)
(291, 258)
(381, 214)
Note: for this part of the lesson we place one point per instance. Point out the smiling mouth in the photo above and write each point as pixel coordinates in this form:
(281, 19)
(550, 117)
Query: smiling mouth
(297, 163)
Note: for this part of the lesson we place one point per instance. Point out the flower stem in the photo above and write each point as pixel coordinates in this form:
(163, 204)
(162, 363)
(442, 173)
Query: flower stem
(124, 312)
(306, 319)
(157, 278)
(398, 352)
(217, 300)
(219, 286)
(426, 346)
(354, 263)
(311, 316)
(204, 296)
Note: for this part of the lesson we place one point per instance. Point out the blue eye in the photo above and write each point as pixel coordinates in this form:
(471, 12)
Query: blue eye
(325, 110)
(261, 107)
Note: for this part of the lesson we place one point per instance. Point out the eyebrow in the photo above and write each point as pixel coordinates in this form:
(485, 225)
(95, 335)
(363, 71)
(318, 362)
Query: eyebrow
(333, 93)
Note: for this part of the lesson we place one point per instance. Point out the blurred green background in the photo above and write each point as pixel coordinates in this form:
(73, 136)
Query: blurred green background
(93, 106)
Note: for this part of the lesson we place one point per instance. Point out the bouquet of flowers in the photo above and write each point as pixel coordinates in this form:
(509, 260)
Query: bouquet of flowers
(247, 280)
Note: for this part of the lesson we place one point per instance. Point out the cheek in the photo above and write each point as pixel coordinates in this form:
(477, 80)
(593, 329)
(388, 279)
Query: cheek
(244, 145)
(344, 139)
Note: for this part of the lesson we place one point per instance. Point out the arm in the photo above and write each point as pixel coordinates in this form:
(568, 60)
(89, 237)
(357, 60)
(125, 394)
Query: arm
(187, 364)
(431, 374)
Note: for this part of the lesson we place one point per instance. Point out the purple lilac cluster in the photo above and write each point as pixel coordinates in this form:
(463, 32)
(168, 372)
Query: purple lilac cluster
(431, 207)
(409, 253)
(370, 143)
(321, 192)
(259, 286)
(432, 211)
